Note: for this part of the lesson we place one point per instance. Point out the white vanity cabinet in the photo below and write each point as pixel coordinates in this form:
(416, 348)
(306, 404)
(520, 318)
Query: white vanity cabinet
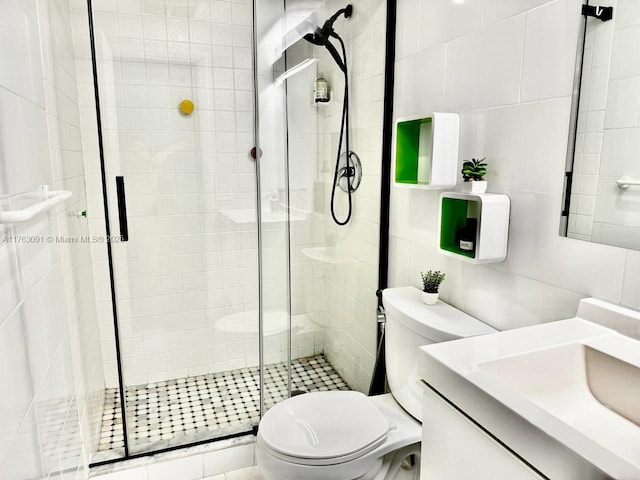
(455, 448)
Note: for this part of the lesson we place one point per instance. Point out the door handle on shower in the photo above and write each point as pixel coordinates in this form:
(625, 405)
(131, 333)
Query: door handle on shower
(122, 209)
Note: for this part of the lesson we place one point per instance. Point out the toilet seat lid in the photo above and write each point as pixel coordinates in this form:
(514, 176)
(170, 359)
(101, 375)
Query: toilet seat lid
(324, 425)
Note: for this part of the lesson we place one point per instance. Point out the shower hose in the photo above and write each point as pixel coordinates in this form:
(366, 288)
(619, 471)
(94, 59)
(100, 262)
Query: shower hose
(349, 170)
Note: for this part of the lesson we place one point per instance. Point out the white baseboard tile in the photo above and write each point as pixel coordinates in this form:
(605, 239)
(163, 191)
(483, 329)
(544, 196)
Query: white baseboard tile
(228, 460)
(188, 468)
(251, 473)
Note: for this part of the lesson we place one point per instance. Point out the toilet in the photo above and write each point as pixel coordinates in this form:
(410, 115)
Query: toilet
(345, 435)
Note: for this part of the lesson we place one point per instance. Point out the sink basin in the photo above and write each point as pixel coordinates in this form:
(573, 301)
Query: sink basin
(594, 392)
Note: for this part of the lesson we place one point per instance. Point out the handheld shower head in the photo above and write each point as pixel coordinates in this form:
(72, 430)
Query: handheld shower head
(322, 34)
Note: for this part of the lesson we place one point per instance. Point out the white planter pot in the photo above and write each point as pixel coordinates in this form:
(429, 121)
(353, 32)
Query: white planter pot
(474, 186)
(429, 298)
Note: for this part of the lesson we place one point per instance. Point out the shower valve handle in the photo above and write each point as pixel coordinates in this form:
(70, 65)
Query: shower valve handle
(347, 172)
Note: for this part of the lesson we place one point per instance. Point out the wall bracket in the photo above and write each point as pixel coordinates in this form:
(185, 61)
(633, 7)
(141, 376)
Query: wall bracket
(601, 13)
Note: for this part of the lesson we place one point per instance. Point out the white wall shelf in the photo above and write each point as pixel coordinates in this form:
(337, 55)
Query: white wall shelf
(480, 220)
(426, 151)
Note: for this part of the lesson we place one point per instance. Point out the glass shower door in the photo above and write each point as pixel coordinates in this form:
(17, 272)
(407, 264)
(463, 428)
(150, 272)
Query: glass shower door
(177, 111)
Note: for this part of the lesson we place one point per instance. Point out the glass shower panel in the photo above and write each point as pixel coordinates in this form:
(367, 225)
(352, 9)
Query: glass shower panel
(275, 216)
(311, 259)
(187, 278)
(334, 269)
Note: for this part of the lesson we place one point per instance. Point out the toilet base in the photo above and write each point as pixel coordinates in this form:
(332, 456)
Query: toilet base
(396, 465)
(392, 466)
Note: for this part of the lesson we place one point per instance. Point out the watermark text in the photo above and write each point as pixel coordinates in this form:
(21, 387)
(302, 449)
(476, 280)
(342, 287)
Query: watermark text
(60, 239)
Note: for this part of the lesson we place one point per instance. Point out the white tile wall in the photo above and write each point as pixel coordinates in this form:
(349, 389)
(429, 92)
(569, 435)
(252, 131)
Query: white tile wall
(550, 37)
(482, 69)
(48, 330)
(519, 120)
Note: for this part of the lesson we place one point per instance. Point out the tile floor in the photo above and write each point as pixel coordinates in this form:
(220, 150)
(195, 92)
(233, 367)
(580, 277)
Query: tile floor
(251, 473)
(187, 410)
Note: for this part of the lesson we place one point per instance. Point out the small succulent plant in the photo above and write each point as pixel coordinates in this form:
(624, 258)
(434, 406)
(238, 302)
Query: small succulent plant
(431, 281)
(474, 169)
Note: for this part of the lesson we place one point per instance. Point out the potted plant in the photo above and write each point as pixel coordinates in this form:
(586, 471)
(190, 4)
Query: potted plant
(430, 284)
(473, 172)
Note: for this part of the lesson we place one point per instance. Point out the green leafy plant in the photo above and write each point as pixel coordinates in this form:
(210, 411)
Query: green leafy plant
(431, 281)
(474, 169)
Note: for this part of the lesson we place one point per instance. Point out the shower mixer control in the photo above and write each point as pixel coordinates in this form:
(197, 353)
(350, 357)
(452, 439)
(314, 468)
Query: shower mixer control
(349, 172)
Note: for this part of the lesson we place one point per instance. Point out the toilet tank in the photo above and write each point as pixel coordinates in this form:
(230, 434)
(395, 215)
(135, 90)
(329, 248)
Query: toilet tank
(411, 324)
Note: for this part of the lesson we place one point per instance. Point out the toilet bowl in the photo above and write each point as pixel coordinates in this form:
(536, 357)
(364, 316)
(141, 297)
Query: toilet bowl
(333, 435)
(345, 435)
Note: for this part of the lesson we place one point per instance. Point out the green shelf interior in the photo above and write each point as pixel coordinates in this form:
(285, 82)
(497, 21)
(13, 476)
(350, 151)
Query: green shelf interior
(454, 216)
(407, 141)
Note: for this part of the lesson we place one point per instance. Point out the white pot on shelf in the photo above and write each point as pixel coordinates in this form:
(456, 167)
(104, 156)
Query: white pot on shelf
(429, 298)
(474, 186)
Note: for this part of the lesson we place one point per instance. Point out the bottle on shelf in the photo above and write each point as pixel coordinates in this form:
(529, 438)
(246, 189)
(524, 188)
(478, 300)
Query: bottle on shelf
(466, 237)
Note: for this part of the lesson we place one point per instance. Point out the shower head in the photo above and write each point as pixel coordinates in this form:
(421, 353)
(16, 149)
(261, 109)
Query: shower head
(321, 35)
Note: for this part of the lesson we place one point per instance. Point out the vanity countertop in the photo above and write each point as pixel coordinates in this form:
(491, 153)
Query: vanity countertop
(541, 387)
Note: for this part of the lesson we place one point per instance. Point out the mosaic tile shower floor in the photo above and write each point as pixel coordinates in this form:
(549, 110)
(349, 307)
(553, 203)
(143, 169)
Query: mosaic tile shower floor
(191, 409)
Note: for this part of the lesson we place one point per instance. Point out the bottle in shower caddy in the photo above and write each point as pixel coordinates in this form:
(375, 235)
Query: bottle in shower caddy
(320, 90)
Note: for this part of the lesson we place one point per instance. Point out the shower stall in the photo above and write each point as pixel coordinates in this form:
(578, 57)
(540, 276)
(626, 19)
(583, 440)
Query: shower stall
(226, 286)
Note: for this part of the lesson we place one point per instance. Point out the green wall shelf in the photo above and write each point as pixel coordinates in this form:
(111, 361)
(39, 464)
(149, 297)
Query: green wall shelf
(487, 230)
(426, 151)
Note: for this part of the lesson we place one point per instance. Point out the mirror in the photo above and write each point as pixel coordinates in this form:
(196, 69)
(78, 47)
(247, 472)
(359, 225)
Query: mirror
(602, 186)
